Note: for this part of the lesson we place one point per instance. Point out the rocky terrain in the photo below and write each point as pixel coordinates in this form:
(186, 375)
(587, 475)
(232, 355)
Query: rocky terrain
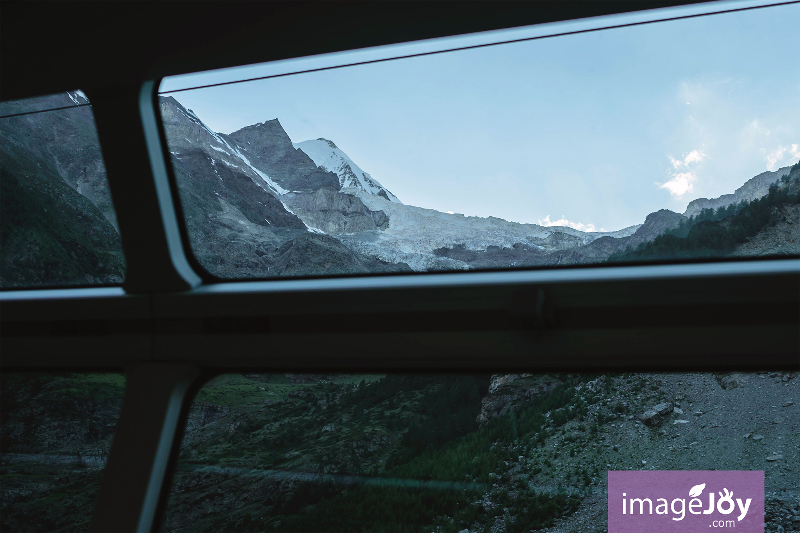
(502, 453)
(752, 189)
(781, 239)
(329, 194)
(319, 184)
(682, 422)
(590, 424)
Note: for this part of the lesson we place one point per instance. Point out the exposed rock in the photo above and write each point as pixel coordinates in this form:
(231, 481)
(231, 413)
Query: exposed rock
(654, 416)
(509, 391)
(753, 188)
(498, 380)
(314, 254)
(654, 225)
(781, 239)
(334, 212)
(268, 147)
(733, 380)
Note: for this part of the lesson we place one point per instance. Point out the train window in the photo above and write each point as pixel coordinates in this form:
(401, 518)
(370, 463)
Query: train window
(56, 431)
(656, 142)
(507, 452)
(57, 223)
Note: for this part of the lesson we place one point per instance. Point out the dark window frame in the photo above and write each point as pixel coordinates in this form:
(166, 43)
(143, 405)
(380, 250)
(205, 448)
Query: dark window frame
(169, 331)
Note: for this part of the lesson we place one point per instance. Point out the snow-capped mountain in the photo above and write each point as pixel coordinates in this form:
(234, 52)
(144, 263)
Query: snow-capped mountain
(327, 155)
(256, 204)
(416, 236)
(266, 194)
(78, 97)
(185, 130)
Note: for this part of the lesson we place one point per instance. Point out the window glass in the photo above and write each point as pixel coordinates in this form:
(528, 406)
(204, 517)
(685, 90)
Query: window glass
(57, 224)
(478, 453)
(56, 434)
(672, 140)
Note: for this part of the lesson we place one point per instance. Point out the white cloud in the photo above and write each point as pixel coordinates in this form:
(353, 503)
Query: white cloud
(695, 156)
(546, 222)
(779, 153)
(680, 184)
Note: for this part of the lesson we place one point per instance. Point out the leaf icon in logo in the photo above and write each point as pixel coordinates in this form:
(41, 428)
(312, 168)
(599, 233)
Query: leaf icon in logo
(697, 490)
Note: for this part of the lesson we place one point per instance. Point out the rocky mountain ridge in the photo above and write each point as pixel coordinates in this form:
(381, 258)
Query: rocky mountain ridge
(328, 156)
(248, 195)
(369, 220)
(754, 188)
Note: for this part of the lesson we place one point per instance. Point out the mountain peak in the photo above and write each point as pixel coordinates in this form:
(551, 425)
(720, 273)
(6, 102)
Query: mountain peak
(330, 143)
(326, 155)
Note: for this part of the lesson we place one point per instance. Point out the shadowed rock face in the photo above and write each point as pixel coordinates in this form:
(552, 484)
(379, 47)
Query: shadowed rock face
(269, 148)
(220, 182)
(57, 224)
(315, 254)
(654, 225)
(335, 212)
(67, 139)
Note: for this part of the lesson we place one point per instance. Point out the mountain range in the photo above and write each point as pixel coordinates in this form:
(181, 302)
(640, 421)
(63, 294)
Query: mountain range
(257, 204)
(331, 195)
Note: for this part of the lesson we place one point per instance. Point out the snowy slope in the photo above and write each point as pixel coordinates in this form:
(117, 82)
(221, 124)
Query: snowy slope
(327, 155)
(415, 232)
(78, 97)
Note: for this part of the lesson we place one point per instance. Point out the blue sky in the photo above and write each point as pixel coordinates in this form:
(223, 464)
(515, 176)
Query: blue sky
(595, 130)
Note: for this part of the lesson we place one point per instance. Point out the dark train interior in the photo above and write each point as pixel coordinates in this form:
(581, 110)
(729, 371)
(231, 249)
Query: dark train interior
(168, 329)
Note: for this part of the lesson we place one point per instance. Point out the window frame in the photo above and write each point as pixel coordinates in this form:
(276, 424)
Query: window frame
(166, 325)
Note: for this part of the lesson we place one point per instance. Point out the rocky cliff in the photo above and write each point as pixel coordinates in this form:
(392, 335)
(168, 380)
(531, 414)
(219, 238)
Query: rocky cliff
(755, 187)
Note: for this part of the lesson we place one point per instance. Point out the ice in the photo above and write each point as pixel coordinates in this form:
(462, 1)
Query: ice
(415, 232)
(326, 155)
(220, 149)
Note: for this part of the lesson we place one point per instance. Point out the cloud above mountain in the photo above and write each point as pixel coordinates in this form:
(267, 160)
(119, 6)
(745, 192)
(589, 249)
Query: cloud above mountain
(695, 156)
(546, 222)
(681, 183)
(777, 155)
